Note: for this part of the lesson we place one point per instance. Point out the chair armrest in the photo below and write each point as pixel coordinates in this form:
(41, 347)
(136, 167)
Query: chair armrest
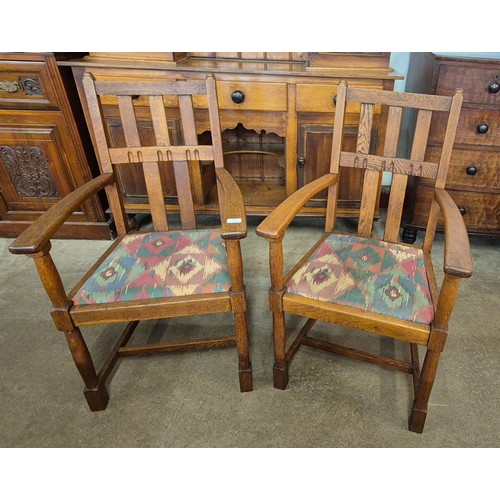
(274, 225)
(457, 255)
(233, 215)
(37, 235)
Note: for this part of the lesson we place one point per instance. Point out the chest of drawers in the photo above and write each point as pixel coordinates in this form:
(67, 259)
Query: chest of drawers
(474, 175)
(45, 150)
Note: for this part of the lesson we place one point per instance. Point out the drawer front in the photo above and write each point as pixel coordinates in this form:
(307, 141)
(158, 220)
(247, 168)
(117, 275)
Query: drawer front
(26, 85)
(320, 99)
(477, 82)
(252, 96)
(481, 211)
(231, 96)
(475, 127)
(470, 169)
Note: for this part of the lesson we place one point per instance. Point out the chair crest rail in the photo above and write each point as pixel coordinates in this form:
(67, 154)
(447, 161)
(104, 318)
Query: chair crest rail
(150, 88)
(406, 100)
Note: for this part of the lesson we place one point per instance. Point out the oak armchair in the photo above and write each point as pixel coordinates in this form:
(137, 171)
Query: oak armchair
(356, 280)
(157, 274)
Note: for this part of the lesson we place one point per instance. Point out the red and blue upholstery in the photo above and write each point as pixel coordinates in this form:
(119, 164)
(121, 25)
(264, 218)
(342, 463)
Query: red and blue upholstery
(158, 265)
(376, 276)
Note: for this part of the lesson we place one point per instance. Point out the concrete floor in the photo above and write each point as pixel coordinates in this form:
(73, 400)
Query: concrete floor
(193, 399)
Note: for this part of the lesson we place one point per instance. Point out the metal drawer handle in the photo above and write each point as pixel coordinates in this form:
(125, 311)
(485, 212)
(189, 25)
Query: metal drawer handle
(471, 170)
(482, 128)
(10, 87)
(462, 210)
(493, 87)
(238, 96)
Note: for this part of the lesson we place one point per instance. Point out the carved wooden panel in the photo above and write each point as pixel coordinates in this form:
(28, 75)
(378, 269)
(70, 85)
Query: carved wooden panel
(28, 169)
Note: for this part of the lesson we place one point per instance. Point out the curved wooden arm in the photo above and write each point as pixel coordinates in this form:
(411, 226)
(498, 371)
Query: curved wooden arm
(457, 255)
(38, 234)
(274, 225)
(232, 207)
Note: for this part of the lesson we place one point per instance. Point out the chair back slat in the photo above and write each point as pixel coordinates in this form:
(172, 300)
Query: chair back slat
(159, 118)
(331, 206)
(444, 163)
(183, 168)
(101, 145)
(151, 169)
(396, 199)
(371, 179)
(400, 180)
(214, 118)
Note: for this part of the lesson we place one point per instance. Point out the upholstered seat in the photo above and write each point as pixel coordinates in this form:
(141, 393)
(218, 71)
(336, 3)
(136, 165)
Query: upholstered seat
(376, 276)
(157, 265)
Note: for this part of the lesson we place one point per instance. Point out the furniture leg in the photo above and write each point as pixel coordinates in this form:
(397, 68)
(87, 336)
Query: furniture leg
(95, 392)
(280, 370)
(420, 404)
(242, 346)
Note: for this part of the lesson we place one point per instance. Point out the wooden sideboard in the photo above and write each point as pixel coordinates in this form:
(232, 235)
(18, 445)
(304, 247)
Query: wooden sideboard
(474, 175)
(277, 113)
(45, 149)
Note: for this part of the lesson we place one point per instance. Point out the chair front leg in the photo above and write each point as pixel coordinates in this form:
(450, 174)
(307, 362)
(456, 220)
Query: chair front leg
(426, 381)
(280, 370)
(95, 392)
(437, 340)
(238, 302)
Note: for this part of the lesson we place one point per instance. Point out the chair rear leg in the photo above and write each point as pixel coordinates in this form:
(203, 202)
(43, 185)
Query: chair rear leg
(280, 370)
(242, 346)
(95, 392)
(420, 404)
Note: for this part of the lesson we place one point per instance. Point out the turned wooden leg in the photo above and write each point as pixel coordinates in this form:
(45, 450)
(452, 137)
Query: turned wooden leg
(95, 392)
(280, 370)
(420, 404)
(242, 346)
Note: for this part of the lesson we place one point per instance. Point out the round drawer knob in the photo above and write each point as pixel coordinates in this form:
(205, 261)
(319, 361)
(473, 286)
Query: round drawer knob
(493, 87)
(482, 128)
(471, 170)
(334, 100)
(238, 96)
(462, 210)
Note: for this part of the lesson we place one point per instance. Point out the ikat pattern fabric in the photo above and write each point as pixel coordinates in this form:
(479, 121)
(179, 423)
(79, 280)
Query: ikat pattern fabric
(157, 265)
(381, 277)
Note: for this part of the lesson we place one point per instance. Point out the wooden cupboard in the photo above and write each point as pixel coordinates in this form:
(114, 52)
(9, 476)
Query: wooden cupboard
(45, 149)
(277, 112)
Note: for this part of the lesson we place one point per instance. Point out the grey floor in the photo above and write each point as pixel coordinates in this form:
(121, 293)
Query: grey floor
(193, 399)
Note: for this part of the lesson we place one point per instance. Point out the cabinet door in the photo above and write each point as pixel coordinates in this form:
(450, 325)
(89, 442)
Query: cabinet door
(35, 167)
(314, 150)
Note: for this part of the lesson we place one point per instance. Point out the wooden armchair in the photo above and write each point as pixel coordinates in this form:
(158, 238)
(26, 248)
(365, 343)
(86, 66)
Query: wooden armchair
(377, 285)
(158, 274)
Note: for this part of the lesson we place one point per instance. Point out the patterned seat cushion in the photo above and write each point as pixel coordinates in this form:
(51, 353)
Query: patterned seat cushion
(157, 265)
(376, 276)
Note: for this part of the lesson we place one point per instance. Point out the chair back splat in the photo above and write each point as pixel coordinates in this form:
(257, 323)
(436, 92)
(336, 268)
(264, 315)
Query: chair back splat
(375, 284)
(149, 128)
